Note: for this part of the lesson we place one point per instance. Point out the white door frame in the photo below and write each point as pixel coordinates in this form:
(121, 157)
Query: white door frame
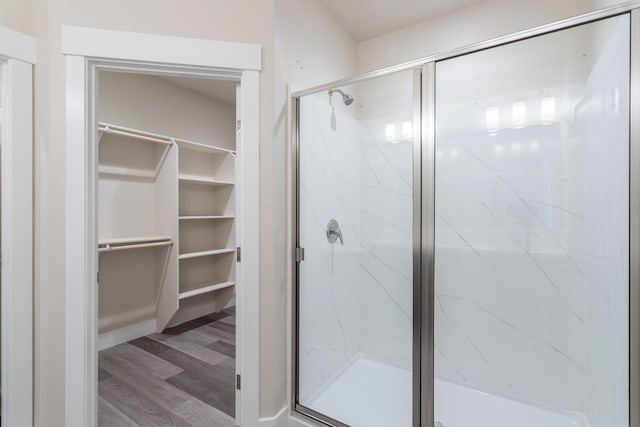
(85, 49)
(17, 56)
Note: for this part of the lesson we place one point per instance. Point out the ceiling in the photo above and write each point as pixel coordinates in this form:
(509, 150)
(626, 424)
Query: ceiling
(366, 19)
(220, 90)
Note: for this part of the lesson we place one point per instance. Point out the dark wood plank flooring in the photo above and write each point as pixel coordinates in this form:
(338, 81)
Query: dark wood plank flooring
(184, 377)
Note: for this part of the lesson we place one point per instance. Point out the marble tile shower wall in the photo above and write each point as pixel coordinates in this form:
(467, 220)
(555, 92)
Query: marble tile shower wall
(330, 300)
(355, 298)
(531, 249)
(509, 316)
(386, 216)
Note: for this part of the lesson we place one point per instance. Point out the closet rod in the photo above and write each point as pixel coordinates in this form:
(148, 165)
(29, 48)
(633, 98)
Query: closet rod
(109, 248)
(109, 129)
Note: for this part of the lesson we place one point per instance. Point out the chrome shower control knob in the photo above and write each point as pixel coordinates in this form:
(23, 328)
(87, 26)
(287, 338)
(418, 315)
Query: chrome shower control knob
(333, 232)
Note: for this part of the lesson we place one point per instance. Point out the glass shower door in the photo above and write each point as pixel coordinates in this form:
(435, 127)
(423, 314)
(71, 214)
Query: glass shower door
(355, 222)
(531, 232)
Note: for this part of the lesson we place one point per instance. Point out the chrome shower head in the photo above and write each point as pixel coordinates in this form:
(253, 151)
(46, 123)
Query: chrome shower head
(346, 98)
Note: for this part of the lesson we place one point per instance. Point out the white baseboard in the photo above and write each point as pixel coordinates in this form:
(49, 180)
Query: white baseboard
(128, 333)
(281, 419)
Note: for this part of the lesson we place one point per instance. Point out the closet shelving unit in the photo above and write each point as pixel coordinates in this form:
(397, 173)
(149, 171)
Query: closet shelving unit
(163, 192)
(159, 192)
(138, 232)
(166, 210)
(125, 154)
(207, 221)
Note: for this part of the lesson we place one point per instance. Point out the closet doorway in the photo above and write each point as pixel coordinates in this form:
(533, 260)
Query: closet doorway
(168, 261)
(162, 198)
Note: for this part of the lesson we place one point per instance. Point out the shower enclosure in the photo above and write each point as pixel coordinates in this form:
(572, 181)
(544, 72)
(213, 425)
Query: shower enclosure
(467, 236)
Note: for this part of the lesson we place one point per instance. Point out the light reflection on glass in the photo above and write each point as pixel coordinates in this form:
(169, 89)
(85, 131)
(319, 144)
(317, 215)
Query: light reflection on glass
(518, 114)
(548, 110)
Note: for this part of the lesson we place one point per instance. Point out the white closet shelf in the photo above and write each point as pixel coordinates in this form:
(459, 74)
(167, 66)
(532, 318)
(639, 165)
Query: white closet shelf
(197, 146)
(195, 217)
(205, 290)
(206, 253)
(122, 243)
(203, 180)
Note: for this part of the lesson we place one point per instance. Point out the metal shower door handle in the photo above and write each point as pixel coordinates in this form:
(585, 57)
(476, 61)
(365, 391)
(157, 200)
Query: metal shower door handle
(333, 232)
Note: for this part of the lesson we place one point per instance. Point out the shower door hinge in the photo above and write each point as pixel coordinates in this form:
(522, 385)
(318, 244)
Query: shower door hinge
(98, 277)
(299, 254)
(237, 382)
(238, 126)
(238, 254)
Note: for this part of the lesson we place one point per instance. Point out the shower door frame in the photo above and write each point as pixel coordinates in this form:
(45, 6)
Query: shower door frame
(417, 238)
(424, 212)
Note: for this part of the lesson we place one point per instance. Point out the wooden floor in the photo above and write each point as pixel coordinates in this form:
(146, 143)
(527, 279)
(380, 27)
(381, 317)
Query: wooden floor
(182, 377)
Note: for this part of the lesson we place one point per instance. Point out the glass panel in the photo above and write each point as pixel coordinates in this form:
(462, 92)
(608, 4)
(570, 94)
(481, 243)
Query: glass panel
(531, 277)
(355, 222)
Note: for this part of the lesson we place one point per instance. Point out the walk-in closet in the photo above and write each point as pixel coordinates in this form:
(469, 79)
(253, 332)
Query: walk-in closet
(167, 255)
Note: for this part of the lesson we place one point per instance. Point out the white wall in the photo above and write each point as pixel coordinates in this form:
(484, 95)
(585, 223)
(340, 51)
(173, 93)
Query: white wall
(235, 20)
(600, 4)
(311, 45)
(17, 15)
(155, 105)
(486, 20)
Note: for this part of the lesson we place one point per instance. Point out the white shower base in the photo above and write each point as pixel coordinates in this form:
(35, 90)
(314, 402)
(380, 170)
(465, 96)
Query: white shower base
(369, 393)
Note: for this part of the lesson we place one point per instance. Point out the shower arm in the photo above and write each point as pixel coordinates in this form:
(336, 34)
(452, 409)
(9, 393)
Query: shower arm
(346, 98)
